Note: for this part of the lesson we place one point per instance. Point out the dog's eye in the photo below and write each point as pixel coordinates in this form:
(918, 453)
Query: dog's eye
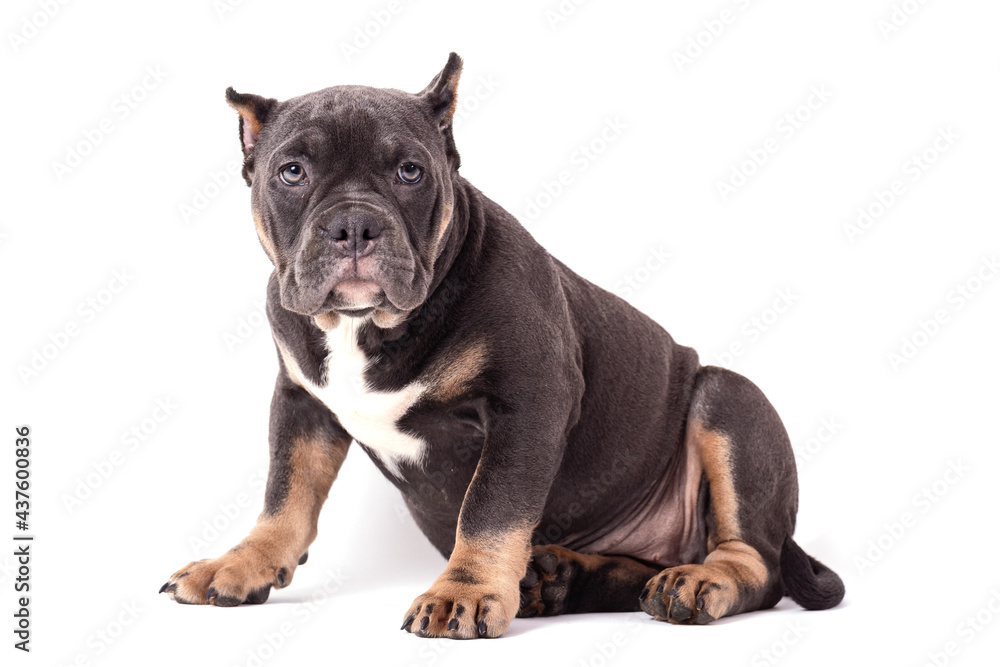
(292, 174)
(409, 172)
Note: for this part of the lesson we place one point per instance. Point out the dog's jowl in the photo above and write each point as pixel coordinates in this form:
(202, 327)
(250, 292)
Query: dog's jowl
(555, 444)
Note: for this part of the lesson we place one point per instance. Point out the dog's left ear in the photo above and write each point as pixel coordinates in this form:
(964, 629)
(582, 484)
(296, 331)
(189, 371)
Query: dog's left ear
(253, 110)
(441, 98)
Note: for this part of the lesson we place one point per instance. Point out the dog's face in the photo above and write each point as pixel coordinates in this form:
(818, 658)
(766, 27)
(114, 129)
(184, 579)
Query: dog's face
(352, 193)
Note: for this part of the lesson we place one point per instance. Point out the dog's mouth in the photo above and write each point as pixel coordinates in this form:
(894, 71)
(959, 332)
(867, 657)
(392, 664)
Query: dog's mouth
(354, 297)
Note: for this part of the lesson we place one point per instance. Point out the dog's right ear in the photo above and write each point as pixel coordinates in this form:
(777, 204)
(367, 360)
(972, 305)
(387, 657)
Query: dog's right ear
(253, 110)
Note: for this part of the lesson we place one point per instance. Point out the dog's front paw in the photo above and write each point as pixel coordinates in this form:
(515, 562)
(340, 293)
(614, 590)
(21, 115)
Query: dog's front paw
(243, 575)
(461, 611)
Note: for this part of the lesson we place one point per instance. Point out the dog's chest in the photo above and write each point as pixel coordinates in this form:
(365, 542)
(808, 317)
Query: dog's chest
(370, 417)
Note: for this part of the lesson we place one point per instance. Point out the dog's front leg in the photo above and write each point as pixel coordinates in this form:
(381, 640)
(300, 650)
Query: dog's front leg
(308, 447)
(478, 593)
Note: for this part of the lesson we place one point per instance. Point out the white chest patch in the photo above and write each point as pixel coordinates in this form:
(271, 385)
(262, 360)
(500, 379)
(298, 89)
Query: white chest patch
(370, 417)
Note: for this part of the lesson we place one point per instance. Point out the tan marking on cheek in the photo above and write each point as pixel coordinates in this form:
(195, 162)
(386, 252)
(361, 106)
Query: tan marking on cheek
(457, 373)
(714, 448)
(327, 321)
(265, 240)
(445, 221)
(386, 320)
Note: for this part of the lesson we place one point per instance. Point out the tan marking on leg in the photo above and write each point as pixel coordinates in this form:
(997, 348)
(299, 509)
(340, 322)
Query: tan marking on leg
(455, 374)
(478, 593)
(714, 448)
(265, 240)
(269, 555)
(701, 593)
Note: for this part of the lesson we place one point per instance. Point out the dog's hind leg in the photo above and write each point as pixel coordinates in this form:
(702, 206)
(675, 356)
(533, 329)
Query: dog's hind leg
(750, 470)
(560, 581)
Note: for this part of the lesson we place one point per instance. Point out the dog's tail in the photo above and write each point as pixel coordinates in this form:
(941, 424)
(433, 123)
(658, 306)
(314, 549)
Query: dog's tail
(807, 581)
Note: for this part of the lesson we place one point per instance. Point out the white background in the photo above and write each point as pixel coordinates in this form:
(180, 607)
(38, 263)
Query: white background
(185, 329)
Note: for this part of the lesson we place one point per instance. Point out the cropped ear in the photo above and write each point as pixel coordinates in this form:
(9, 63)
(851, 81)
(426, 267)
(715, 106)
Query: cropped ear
(253, 110)
(441, 98)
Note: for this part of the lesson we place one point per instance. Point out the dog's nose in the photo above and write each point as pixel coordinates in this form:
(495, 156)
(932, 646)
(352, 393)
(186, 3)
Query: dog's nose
(355, 232)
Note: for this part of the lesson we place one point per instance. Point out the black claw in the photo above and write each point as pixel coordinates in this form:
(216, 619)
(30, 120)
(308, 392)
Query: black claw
(303, 558)
(673, 592)
(163, 588)
(407, 623)
(211, 593)
(260, 595)
(482, 628)
(659, 588)
(282, 576)
(547, 563)
(424, 621)
(227, 601)
(701, 603)
(644, 593)
(680, 611)
(453, 624)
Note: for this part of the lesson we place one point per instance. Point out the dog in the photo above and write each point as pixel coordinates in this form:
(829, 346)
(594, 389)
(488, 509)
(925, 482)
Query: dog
(552, 442)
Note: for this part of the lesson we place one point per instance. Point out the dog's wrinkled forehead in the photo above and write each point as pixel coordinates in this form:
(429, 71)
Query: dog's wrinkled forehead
(351, 123)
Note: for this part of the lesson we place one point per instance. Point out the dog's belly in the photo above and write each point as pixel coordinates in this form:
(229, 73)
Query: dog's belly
(664, 524)
(370, 417)
(667, 528)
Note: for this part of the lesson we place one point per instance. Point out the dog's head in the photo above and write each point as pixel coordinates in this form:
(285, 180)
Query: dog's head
(352, 193)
